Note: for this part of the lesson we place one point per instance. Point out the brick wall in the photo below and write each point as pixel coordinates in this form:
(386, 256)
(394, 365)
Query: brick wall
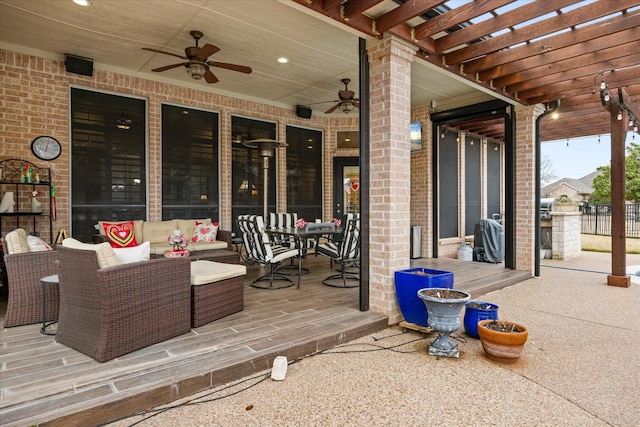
(35, 101)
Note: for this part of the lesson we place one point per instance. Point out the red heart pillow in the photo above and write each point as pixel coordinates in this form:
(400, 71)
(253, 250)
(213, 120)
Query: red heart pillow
(120, 235)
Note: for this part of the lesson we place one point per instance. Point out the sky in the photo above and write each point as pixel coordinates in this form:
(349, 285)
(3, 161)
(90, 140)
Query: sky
(582, 156)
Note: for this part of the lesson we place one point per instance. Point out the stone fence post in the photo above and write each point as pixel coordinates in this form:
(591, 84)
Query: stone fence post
(565, 231)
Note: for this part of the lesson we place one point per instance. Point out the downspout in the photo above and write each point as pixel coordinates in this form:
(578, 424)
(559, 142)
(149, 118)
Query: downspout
(538, 189)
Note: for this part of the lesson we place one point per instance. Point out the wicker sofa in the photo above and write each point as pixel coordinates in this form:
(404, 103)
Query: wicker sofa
(108, 312)
(24, 270)
(157, 232)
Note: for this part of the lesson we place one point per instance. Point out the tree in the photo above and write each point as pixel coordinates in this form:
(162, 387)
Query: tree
(547, 172)
(602, 183)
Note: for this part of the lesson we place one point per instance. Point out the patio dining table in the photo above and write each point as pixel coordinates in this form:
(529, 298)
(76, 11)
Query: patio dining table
(300, 235)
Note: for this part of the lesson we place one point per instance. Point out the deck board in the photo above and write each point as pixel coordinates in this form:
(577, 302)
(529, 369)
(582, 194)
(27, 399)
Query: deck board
(77, 390)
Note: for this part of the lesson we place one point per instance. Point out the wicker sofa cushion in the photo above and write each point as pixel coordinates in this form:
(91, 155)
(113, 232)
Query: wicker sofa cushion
(159, 231)
(105, 253)
(16, 241)
(203, 272)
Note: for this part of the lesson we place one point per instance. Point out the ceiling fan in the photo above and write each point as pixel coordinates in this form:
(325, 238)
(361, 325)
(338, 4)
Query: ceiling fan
(346, 101)
(196, 61)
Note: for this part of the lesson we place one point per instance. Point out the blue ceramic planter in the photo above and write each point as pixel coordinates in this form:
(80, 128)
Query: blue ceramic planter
(409, 282)
(473, 314)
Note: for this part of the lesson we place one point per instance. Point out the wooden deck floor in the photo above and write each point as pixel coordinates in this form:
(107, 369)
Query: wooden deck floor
(46, 383)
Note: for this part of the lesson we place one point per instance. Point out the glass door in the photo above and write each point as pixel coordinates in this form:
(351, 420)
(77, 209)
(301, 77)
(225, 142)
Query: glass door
(346, 186)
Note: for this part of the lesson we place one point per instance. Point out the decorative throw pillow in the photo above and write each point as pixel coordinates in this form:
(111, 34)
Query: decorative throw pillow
(205, 232)
(134, 253)
(36, 244)
(120, 235)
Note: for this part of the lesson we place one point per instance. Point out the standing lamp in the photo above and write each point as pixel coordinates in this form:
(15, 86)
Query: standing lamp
(265, 149)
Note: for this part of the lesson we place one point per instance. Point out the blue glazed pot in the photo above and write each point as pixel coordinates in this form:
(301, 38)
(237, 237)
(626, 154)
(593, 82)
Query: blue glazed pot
(473, 314)
(409, 282)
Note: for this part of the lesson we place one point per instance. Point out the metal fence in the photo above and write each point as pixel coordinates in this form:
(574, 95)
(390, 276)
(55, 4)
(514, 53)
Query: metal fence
(596, 219)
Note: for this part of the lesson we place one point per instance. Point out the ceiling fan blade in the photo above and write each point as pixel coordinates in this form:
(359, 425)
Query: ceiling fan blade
(332, 109)
(355, 104)
(167, 67)
(166, 53)
(209, 77)
(206, 51)
(232, 67)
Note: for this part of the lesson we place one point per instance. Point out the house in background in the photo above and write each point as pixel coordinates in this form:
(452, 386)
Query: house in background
(577, 190)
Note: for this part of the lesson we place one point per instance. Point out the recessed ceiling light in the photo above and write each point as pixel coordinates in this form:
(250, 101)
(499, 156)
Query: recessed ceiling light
(82, 2)
(283, 60)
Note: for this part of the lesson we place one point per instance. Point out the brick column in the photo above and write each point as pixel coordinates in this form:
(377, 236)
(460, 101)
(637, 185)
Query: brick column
(390, 71)
(524, 212)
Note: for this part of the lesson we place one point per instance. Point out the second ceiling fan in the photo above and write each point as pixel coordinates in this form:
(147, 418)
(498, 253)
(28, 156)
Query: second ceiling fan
(196, 63)
(346, 101)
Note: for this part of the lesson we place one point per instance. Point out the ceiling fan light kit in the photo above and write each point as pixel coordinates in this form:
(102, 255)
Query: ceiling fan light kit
(196, 71)
(197, 65)
(346, 100)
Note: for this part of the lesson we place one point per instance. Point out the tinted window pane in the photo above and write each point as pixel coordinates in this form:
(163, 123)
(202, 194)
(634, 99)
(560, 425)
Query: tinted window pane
(189, 163)
(247, 168)
(304, 172)
(108, 180)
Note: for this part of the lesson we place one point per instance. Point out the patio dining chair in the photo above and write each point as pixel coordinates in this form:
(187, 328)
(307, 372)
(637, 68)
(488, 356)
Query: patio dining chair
(288, 220)
(345, 252)
(260, 250)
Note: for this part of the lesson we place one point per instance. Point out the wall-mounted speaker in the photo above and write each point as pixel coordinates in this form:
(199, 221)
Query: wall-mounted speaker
(302, 111)
(78, 65)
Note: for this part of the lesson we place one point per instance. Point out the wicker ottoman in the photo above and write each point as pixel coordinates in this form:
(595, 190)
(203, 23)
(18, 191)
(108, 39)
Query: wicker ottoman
(217, 290)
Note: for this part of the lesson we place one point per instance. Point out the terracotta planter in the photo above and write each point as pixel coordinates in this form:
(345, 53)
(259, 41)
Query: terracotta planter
(504, 347)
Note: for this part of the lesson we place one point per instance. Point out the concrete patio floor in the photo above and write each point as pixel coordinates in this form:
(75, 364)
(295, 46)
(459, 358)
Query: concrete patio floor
(580, 367)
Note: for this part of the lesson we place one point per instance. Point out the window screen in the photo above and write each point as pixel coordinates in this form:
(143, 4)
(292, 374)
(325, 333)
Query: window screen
(304, 172)
(189, 163)
(108, 179)
(448, 185)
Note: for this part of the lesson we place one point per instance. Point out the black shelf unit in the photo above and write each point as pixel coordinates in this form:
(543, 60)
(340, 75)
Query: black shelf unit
(22, 216)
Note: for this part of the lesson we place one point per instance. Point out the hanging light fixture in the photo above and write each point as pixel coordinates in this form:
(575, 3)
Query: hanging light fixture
(606, 96)
(619, 115)
(196, 70)
(124, 122)
(346, 107)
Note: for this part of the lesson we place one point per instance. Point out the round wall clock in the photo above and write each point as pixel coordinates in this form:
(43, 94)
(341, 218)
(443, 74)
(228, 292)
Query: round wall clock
(46, 147)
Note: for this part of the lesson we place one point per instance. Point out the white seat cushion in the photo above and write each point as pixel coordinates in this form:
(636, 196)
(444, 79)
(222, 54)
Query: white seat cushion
(16, 241)
(105, 253)
(203, 272)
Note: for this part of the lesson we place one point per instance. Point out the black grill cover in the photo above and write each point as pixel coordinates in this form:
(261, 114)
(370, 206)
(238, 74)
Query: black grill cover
(488, 241)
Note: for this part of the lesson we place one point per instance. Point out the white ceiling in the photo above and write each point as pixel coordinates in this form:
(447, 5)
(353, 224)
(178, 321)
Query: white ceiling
(254, 33)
